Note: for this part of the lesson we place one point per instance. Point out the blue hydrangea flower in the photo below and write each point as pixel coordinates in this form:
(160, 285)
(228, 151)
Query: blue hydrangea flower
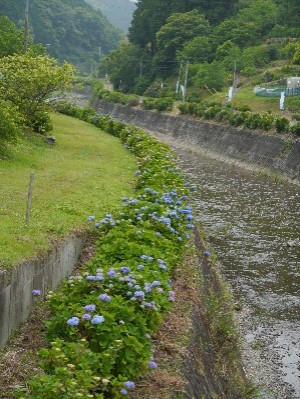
(141, 267)
(152, 364)
(86, 316)
(97, 320)
(129, 384)
(91, 218)
(104, 298)
(36, 292)
(171, 296)
(111, 273)
(156, 283)
(139, 295)
(124, 269)
(123, 392)
(90, 308)
(73, 321)
(206, 253)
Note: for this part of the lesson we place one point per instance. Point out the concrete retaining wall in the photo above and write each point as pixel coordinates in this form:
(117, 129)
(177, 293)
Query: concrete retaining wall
(16, 299)
(244, 146)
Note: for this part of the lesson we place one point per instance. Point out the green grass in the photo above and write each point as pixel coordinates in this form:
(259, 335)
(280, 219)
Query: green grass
(85, 173)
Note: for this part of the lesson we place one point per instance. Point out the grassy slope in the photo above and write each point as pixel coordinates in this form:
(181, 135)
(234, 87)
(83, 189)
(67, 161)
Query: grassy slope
(85, 173)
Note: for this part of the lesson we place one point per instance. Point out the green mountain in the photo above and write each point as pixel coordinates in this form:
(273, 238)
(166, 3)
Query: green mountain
(71, 30)
(118, 12)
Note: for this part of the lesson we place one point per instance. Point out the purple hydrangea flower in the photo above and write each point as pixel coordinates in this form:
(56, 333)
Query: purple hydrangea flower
(97, 320)
(90, 308)
(206, 253)
(36, 292)
(86, 316)
(123, 392)
(91, 218)
(141, 267)
(104, 298)
(73, 321)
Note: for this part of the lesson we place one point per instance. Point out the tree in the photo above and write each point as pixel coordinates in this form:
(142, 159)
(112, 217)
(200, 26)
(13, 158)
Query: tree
(126, 64)
(10, 122)
(210, 75)
(249, 24)
(72, 28)
(196, 50)
(28, 80)
(296, 56)
(179, 29)
(11, 38)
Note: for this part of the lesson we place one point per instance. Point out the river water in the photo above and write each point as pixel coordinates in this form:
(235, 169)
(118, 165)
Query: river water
(253, 228)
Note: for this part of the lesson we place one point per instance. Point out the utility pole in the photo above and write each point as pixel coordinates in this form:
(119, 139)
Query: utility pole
(234, 78)
(178, 81)
(26, 26)
(141, 69)
(185, 80)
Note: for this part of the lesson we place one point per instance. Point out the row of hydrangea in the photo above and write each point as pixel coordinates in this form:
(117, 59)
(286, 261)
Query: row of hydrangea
(105, 317)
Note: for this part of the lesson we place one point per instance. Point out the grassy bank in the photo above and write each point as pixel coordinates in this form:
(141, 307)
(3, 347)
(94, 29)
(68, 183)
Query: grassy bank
(84, 173)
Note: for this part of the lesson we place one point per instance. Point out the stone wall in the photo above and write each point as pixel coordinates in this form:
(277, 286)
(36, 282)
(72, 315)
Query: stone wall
(16, 285)
(251, 148)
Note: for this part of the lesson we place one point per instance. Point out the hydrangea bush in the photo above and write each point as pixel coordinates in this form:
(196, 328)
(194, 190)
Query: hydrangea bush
(104, 318)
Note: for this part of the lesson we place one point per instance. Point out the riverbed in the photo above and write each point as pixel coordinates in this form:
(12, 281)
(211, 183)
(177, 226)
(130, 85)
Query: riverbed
(252, 223)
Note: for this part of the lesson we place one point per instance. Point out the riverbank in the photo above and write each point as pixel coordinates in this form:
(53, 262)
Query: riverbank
(269, 153)
(269, 347)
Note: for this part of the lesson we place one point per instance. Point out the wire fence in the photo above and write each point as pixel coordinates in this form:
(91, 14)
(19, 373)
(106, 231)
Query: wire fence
(277, 92)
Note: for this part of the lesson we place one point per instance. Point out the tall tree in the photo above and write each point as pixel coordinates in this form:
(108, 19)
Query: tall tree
(178, 29)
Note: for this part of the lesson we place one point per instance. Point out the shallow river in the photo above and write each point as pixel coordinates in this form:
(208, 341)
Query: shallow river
(253, 227)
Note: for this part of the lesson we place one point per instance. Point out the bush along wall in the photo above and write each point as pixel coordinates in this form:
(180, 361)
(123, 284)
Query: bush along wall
(240, 116)
(103, 319)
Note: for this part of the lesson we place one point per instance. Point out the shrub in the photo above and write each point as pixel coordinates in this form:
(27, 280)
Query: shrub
(164, 104)
(282, 124)
(296, 117)
(133, 100)
(252, 121)
(10, 124)
(295, 129)
(224, 115)
(149, 103)
(161, 104)
(212, 111)
(266, 121)
(238, 118)
(41, 122)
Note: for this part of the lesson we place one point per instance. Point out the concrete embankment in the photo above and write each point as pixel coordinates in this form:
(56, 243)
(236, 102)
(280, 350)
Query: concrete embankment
(17, 284)
(250, 149)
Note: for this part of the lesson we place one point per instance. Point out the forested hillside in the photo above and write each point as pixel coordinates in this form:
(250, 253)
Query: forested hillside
(212, 35)
(70, 29)
(118, 12)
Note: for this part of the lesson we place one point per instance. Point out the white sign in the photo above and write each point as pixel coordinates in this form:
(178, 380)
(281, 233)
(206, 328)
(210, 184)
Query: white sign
(281, 103)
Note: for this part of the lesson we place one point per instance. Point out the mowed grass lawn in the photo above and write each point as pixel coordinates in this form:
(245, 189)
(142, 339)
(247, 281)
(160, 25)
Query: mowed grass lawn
(85, 173)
